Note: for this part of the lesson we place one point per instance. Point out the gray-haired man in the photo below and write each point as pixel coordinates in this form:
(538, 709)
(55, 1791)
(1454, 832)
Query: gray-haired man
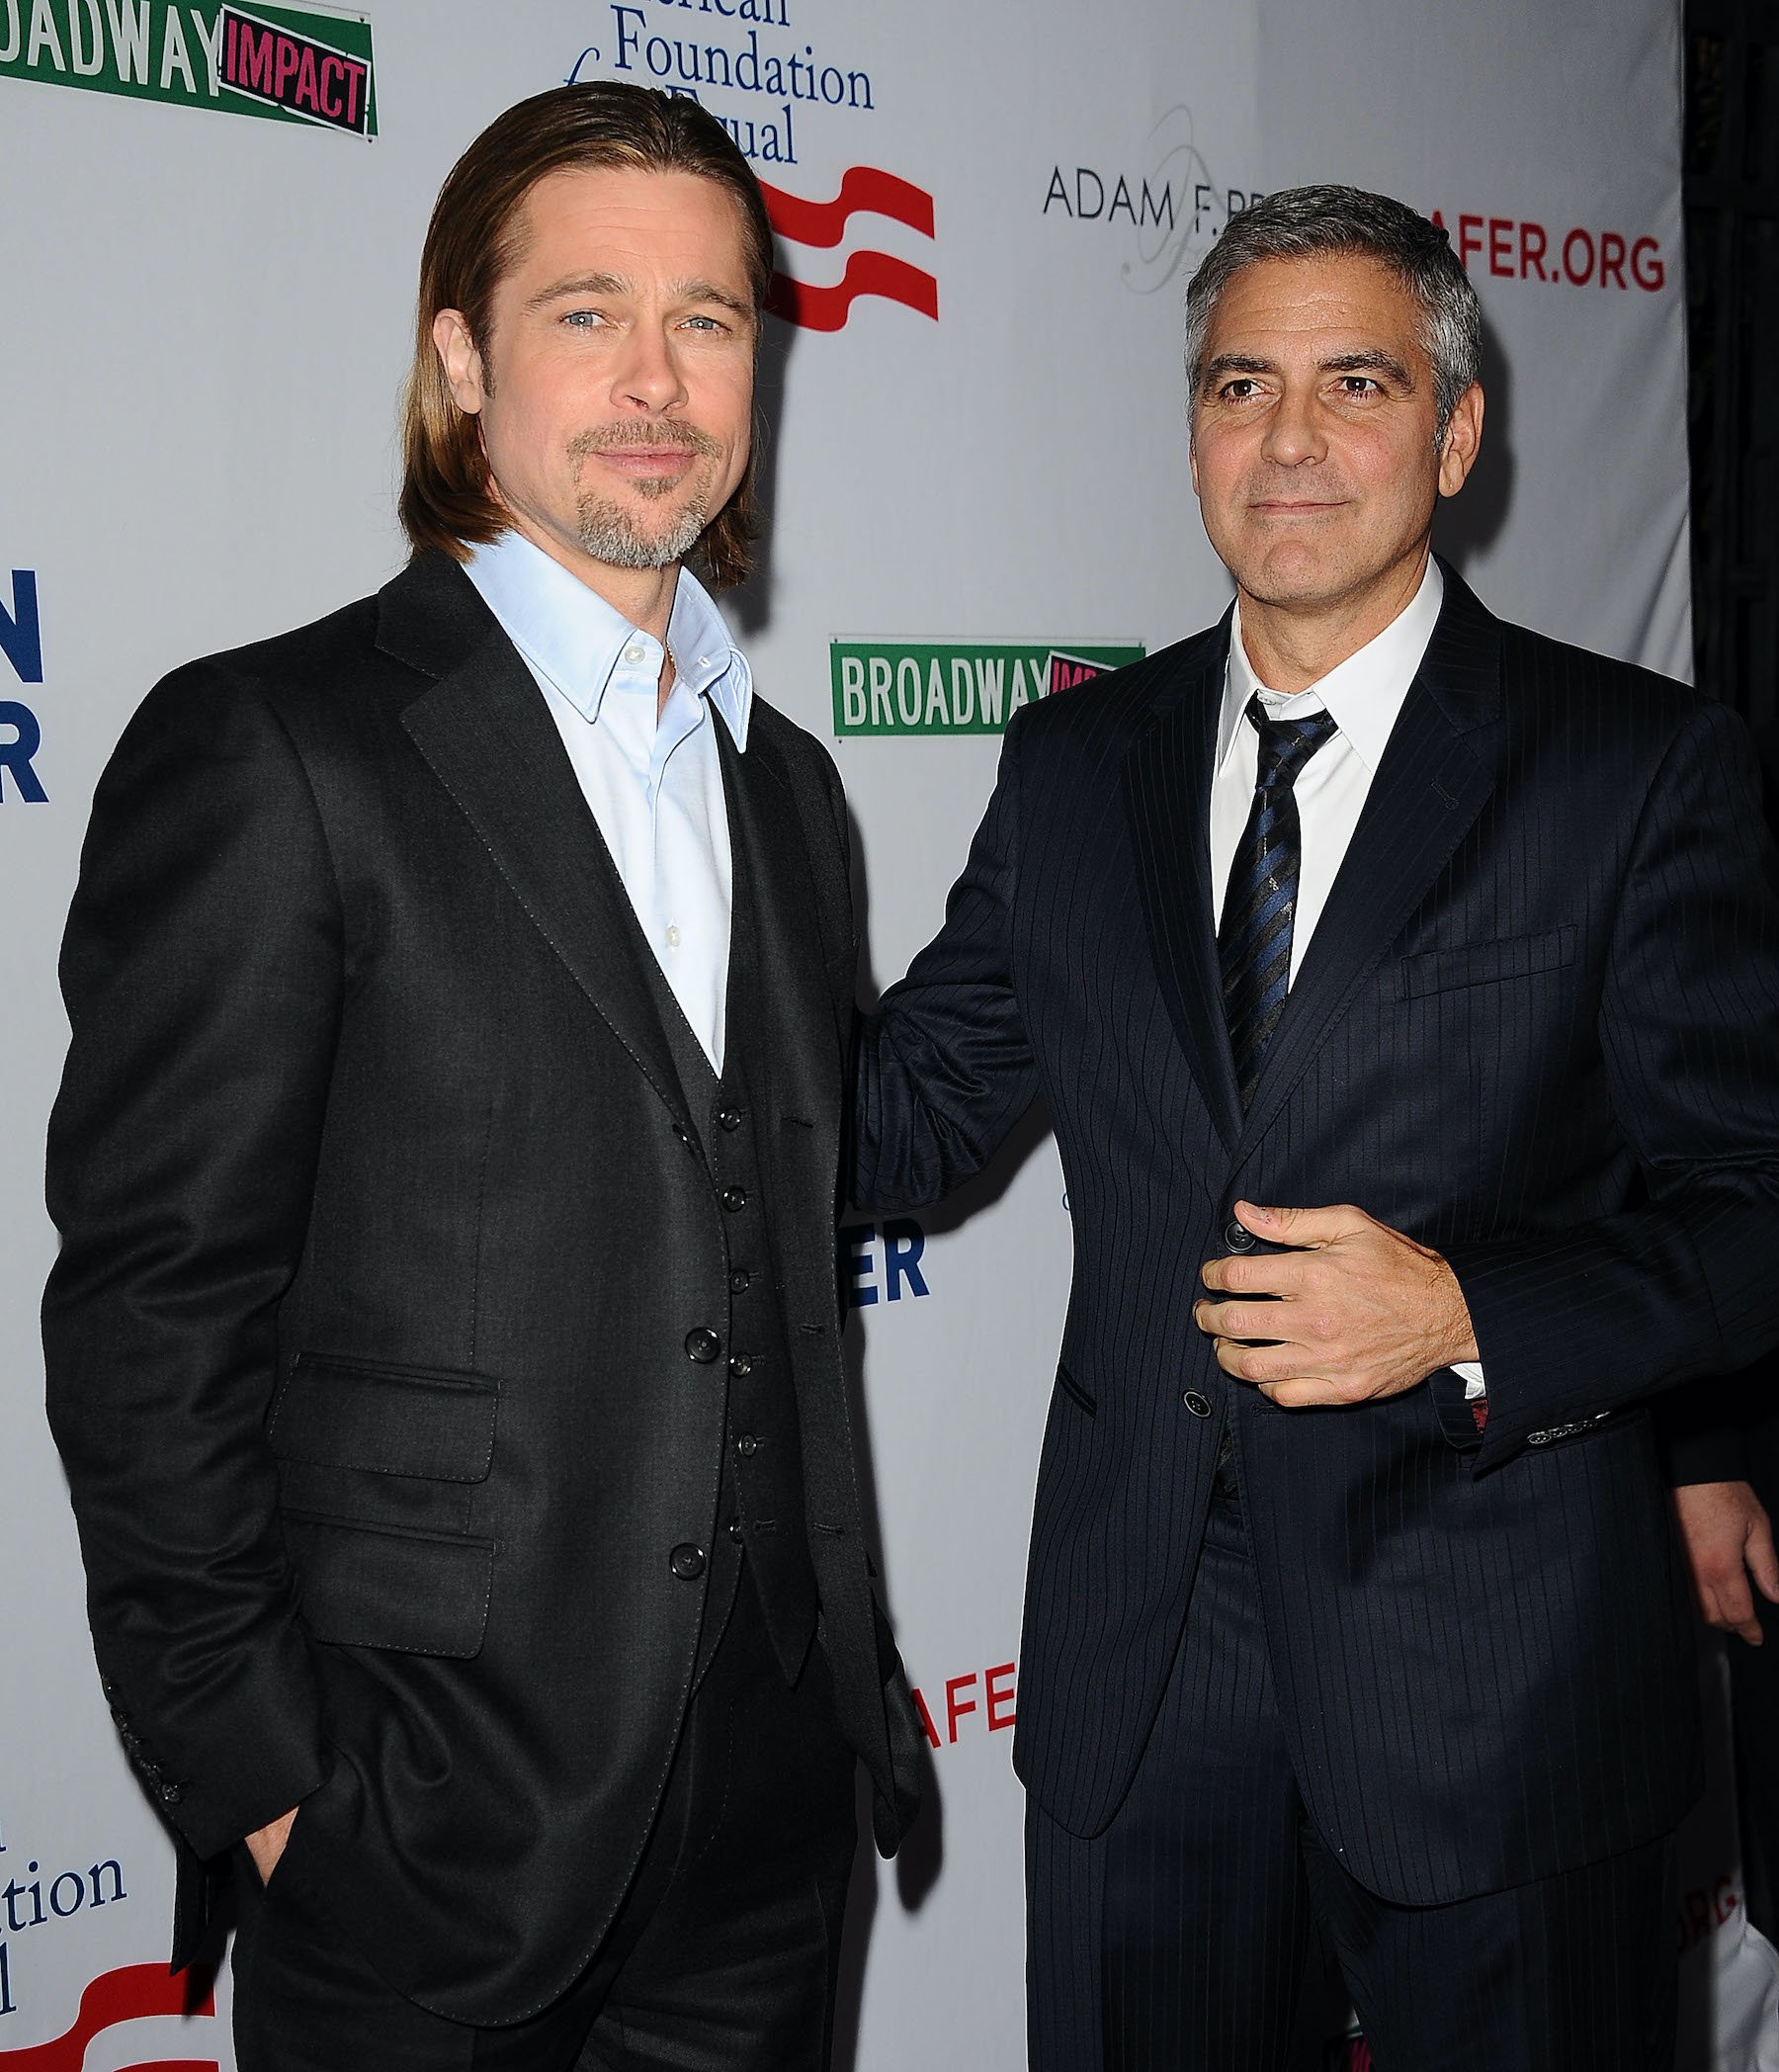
(1353, 1596)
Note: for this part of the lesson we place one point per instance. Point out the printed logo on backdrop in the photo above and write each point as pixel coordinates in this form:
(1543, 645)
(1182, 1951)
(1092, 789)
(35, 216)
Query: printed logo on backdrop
(36, 1902)
(1161, 209)
(958, 686)
(881, 1263)
(805, 113)
(179, 2008)
(1516, 248)
(980, 1701)
(22, 649)
(286, 64)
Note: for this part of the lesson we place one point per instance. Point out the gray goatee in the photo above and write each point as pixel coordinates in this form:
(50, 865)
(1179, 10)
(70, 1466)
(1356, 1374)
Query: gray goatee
(620, 534)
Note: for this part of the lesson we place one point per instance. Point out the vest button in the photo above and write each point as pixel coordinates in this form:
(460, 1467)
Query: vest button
(747, 1445)
(1239, 1238)
(734, 1530)
(703, 1345)
(687, 1561)
(1197, 1401)
(735, 1198)
(729, 1118)
(741, 1281)
(741, 1366)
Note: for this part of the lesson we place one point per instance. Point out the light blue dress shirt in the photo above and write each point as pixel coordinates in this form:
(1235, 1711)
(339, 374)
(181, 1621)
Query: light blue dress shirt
(654, 786)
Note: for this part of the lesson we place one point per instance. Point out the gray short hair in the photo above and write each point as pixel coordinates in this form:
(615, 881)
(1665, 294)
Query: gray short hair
(1302, 222)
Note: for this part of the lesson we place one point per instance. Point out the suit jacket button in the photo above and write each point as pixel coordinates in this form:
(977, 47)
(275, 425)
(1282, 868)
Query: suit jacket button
(687, 1561)
(1538, 1438)
(703, 1345)
(171, 1794)
(1239, 1238)
(735, 1198)
(729, 1118)
(1197, 1401)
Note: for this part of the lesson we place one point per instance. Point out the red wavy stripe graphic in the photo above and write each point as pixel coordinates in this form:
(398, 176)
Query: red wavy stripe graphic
(123, 1995)
(867, 273)
(865, 189)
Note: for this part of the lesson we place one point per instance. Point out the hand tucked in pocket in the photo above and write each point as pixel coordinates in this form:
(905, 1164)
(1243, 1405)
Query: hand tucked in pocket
(266, 1845)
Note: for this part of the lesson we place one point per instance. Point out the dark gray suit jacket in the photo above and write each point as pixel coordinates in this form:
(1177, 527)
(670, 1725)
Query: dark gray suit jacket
(1538, 1029)
(369, 1344)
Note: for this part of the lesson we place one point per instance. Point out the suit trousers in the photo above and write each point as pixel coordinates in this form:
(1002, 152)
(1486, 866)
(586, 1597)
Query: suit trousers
(1176, 1940)
(722, 1958)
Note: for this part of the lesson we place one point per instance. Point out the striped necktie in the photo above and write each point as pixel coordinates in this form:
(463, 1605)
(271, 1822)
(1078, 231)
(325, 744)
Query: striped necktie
(1253, 945)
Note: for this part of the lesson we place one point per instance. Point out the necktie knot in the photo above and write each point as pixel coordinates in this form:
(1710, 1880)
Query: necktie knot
(1285, 745)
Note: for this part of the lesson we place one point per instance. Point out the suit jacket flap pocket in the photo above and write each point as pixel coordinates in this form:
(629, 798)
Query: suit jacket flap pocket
(338, 1413)
(1481, 963)
(420, 1593)
(1073, 1390)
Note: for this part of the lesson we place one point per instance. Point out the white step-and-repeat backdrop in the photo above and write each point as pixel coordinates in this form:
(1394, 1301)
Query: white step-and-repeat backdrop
(209, 218)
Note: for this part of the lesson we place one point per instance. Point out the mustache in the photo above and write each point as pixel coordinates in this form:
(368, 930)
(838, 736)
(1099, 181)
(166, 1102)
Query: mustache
(1287, 485)
(665, 431)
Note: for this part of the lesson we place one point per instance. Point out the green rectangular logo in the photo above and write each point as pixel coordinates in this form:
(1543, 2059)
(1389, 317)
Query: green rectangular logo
(958, 686)
(286, 64)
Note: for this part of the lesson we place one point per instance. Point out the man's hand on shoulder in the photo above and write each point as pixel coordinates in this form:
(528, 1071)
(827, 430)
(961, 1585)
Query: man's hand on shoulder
(1729, 1538)
(1358, 1312)
(266, 1845)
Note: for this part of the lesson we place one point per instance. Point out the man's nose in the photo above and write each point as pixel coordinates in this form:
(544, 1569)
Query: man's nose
(1294, 431)
(648, 375)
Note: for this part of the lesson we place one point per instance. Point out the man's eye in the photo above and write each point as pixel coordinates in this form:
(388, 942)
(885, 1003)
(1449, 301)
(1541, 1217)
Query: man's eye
(583, 319)
(705, 324)
(1359, 384)
(1240, 390)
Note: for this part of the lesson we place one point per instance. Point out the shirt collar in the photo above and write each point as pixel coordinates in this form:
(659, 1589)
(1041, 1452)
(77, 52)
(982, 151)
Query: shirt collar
(570, 634)
(1364, 692)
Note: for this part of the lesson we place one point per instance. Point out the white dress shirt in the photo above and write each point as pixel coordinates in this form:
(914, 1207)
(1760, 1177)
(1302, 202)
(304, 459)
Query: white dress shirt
(654, 786)
(1364, 694)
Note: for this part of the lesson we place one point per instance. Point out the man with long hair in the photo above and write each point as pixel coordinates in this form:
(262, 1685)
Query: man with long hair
(444, 1348)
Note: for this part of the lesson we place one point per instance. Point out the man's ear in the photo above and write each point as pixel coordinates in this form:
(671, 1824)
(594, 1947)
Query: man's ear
(459, 359)
(1463, 441)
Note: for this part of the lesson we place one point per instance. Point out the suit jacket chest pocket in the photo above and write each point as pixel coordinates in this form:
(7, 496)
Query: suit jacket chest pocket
(1497, 962)
(379, 1466)
(1460, 1020)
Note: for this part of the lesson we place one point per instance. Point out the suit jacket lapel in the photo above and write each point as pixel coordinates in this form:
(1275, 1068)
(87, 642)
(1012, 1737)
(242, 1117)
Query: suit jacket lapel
(1426, 794)
(788, 986)
(1167, 799)
(484, 729)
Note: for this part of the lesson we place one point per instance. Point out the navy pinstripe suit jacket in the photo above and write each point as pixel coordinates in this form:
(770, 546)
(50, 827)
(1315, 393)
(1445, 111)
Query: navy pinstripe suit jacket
(1536, 1028)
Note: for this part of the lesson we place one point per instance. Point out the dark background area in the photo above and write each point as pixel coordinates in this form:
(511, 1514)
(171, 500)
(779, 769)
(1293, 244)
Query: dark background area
(1731, 195)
